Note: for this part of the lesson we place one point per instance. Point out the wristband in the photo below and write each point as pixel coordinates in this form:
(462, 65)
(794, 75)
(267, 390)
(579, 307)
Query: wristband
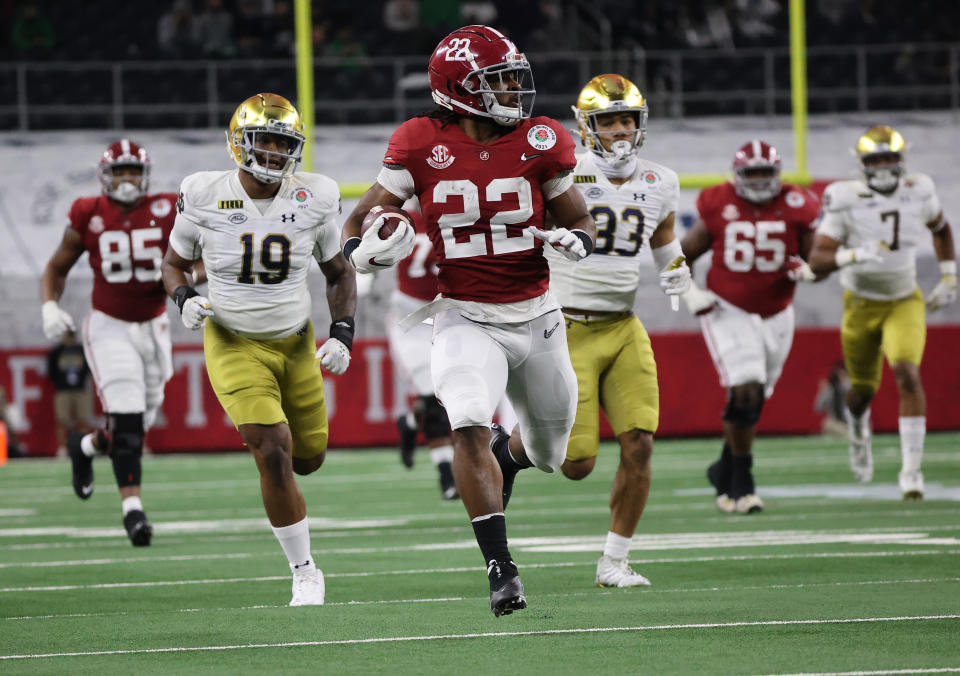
(350, 247)
(181, 295)
(585, 238)
(948, 268)
(342, 330)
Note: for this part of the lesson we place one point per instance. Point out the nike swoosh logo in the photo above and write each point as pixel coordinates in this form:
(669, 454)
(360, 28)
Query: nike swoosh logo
(547, 334)
(373, 261)
(524, 157)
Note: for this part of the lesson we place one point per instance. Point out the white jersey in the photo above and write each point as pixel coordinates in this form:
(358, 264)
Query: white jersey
(626, 216)
(257, 263)
(855, 215)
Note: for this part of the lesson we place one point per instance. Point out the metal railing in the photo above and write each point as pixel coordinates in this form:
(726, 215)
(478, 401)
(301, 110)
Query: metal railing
(678, 83)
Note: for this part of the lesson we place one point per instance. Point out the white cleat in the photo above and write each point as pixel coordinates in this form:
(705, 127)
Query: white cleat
(726, 504)
(613, 572)
(308, 588)
(749, 504)
(861, 459)
(911, 485)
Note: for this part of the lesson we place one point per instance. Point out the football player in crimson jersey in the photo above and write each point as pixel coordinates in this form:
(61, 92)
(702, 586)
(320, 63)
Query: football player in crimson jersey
(485, 172)
(126, 337)
(870, 231)
(760, 232)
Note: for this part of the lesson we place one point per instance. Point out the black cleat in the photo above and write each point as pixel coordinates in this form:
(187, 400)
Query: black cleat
(499, 444)
(82, 466)
(408, 441)
(506, 589)
(448, 487)
(138, 528)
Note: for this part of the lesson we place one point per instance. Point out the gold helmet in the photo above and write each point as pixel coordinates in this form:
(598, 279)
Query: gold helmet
(610, 93)
(259, 121)
(880, 153)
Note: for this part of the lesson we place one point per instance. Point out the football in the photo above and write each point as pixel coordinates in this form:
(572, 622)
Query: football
(394, 216)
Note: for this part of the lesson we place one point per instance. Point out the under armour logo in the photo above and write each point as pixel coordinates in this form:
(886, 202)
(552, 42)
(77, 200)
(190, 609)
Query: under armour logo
(639, 197)
(547, 334)
(288, 217)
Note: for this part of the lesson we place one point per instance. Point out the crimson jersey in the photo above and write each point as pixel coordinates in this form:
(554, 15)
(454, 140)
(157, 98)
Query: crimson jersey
(751, 244)
(417, 273)
(126, 249)
(478, 199)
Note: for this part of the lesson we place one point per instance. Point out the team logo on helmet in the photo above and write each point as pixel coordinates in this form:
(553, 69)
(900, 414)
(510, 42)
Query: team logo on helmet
(440, 157)
(542, 137)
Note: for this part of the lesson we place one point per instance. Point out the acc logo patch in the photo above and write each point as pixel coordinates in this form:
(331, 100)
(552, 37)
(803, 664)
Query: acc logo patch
(95, 225)
(160, 208)
(440, 157)
(730, 212)
(542, 137)
(795, 199)
(595, 193)
(237, 218)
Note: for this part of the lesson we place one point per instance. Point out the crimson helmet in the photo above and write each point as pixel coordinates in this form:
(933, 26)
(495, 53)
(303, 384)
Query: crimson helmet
(124, 153)
(464, 65)
(756, 171)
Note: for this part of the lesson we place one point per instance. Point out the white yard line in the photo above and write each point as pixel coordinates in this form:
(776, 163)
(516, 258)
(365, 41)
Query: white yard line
(464, 569)
(497, 634)
(695, 590)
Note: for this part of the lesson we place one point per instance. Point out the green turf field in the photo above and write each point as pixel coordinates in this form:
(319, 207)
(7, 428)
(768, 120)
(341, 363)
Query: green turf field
(832, 577)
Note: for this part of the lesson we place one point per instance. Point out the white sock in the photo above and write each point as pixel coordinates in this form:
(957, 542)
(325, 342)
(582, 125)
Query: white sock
(86, 445)
(130, 504)
(295, 541)
(913, 429)
(859, 427)
(616, 546)
(441, 454)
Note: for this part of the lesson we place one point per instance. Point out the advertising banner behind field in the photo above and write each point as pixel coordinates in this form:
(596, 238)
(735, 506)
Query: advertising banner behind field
(363, 403)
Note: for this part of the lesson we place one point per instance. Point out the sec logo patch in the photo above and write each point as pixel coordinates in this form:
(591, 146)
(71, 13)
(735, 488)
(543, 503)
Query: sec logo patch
(160, 208)
(542, 137)
(440, 157)
(795, 200)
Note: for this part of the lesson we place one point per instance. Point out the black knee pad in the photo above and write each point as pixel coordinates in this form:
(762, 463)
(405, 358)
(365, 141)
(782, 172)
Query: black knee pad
(432, 417)
(126, 447)
(744, 410)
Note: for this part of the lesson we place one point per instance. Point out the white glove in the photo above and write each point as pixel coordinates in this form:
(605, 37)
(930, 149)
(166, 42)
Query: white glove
(195, 311)
(944, 293)
(562, 240)
(675, 279)
(699, 301)
(869, 253)
(799, 271)
(55, 320)
(333, 356)
(374, 253)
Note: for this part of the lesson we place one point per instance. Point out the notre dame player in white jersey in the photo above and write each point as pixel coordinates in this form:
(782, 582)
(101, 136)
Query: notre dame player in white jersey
(870, 230)
(258, 228)
(633, 202)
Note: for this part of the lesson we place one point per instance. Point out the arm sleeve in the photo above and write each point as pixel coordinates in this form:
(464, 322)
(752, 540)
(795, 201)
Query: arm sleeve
(397, 180)
(185, 238)
(327, 244)
(833, 220)
(557, 185)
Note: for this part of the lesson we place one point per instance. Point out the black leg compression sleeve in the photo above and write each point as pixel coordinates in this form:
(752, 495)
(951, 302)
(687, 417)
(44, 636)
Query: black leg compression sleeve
(744, 406)
(126, 447)
(432, 417)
